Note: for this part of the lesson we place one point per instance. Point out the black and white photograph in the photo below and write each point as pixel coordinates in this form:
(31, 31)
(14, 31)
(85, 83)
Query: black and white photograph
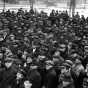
(43, 43)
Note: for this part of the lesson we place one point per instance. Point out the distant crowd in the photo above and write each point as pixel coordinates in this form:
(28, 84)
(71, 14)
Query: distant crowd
(41, 51)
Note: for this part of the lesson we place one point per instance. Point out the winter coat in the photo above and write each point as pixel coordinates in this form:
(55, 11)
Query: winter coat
(51, 79)
(35, 78)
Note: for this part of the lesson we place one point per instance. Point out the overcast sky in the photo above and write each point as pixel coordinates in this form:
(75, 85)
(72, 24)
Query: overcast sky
(45, 1)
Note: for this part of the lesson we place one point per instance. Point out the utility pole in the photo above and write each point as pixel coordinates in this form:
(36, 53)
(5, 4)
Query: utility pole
(85, 1)
(72, 7)
(4, 5)
(31, 4)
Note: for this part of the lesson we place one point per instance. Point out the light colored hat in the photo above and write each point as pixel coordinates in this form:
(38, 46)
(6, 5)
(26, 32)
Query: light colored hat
(49, 62)
(66, 65)
(12, 35)
(78, 61)
(69, 62)
(62, 45)
(29, 60)
(33, 66)
(41, 56)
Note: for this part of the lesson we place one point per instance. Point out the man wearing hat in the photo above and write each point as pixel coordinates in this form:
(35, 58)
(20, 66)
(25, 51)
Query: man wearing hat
(65, 76)
(34, 76)
(85, 78)
(41, 67)
(63, 50)
(51, 76)
(58, 60)
(9, 76)
(76, 72)
(1, 72)
(27, 64)
(27, 84)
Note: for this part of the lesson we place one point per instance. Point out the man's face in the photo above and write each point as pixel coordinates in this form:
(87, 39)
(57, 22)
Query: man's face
(8, 64)
(19, 75)
(49, 23)
(70, 45)
(12, 37)
(57, 53)
(19, 31)
(48, 67)
(63, 70)
(29, 60)
(41, 23)
(25, 39)
(62, 49)
(55, 59)
(27, 84)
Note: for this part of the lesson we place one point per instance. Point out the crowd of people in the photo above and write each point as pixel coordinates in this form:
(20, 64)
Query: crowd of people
(43, 51)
